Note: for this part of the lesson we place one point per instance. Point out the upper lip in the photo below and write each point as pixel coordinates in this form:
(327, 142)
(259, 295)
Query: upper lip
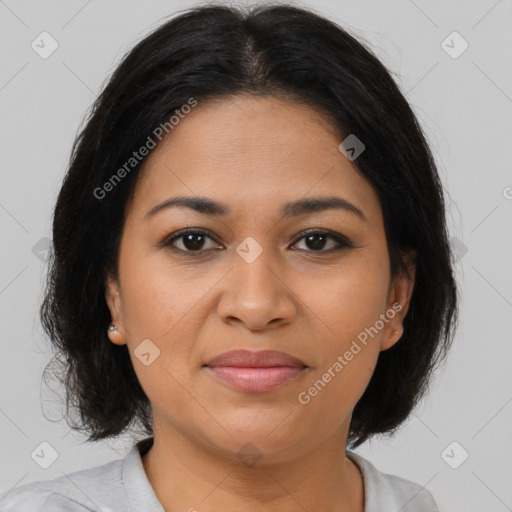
(250, 359)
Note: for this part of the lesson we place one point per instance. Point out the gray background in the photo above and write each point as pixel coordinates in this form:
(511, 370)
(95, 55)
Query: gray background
(464, 104)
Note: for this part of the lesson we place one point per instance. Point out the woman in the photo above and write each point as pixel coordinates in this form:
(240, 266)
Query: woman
(250, 263)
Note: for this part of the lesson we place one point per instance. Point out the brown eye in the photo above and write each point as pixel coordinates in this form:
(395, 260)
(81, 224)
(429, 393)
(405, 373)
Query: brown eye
(317, 241)
(190, 241)
(198, 241)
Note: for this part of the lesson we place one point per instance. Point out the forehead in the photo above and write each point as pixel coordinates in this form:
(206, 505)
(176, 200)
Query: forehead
(252, 152)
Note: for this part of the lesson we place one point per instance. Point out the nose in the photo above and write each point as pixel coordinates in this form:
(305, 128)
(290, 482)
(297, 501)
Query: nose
(257, 295)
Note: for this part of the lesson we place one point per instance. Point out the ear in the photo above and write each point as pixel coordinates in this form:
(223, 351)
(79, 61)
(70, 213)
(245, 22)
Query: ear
(114, 304)
(399, 298)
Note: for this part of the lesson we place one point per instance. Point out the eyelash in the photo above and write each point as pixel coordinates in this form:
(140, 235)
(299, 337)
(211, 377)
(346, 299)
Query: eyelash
(342, 242)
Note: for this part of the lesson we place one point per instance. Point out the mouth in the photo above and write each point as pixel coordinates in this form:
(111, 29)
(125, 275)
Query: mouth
(255, 372)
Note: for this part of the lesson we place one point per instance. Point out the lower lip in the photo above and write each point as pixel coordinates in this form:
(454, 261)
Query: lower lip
(256, 380)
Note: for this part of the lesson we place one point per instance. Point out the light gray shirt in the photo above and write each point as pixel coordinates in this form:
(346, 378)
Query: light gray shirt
(122, 486)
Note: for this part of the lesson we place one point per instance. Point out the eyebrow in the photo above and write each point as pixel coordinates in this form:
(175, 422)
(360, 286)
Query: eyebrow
(297, 208)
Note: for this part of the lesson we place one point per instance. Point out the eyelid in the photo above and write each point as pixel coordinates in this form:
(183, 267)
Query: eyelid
(186, 231)
(337, 237)
(341, 240)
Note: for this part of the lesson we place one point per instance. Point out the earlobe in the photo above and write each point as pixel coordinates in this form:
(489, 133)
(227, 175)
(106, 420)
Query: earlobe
(391, 339)
(399, 300)
(113, 299)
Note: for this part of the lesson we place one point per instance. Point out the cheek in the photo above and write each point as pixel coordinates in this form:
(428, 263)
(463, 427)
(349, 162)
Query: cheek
(161, 303)
(157, 296)
(349, 305)
(351, 299)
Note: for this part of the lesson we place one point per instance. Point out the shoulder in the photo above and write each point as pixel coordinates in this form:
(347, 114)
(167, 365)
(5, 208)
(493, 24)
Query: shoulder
(97, 488)
(389, 492)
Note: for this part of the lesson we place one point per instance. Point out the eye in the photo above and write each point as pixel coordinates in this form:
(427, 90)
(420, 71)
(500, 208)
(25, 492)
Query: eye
(316, 241)
(195, 240)
(190, 240)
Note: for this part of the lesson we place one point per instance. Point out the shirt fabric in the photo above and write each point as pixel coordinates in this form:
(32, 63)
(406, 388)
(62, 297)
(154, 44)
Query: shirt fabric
(122, 486)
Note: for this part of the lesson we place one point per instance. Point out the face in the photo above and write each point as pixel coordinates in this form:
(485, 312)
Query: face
(251, 274)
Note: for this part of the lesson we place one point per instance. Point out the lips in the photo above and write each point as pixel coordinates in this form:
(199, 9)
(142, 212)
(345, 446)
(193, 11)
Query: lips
(255, 372)
(260, 359)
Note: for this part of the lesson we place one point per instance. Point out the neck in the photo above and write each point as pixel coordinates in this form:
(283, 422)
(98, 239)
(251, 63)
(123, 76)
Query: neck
(187, 475)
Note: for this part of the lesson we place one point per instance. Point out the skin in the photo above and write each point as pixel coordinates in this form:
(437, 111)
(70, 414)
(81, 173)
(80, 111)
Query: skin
(254, 154)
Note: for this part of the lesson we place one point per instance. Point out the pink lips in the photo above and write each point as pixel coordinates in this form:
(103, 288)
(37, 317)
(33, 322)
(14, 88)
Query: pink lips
(255, 372)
